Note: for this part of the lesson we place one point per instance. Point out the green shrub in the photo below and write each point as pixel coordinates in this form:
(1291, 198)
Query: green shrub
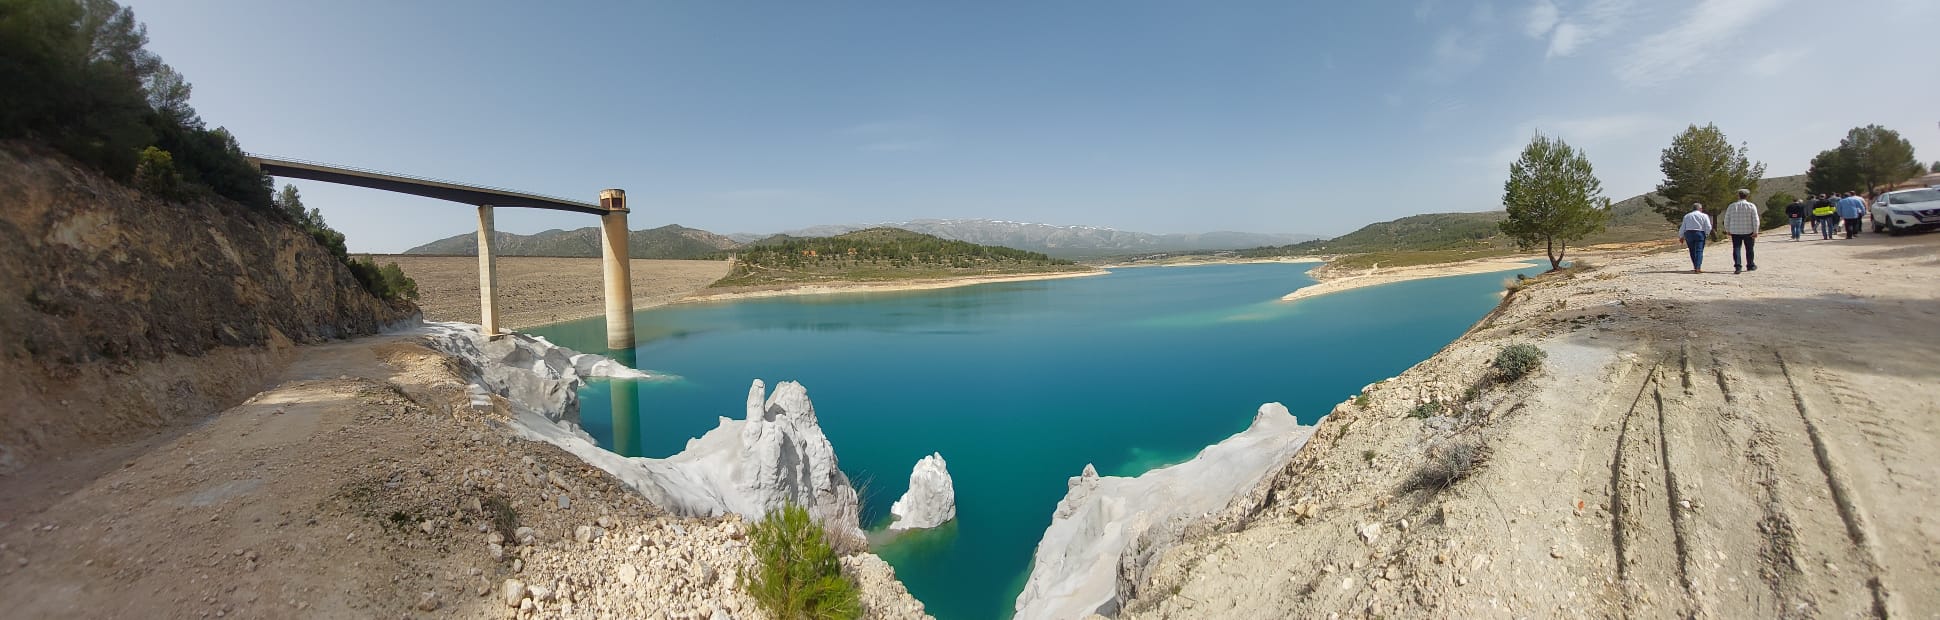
(796, 575)
(1518, 360)
(387, 282)
(1428, 409)
(156, 176)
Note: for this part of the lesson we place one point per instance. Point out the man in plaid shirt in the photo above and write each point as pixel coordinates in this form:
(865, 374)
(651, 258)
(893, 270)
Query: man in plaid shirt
(1740, 220)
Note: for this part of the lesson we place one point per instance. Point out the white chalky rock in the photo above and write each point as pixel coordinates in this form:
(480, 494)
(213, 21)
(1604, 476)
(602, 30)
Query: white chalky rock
(776, 456)
(1075, 572)
(931, 499)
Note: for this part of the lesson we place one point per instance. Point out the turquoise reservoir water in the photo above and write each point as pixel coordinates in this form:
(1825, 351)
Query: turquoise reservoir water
(1019, 385)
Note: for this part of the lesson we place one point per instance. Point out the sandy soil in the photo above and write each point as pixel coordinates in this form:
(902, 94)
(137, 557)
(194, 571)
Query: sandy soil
(1190, 261)
(1695, 445)
(362, 485)
(537, 291)
(1335, 281)
(1330, 281)
(880, 287)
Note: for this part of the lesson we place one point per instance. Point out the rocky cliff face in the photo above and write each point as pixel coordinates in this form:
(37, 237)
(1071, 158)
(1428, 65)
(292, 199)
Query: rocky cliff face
(931, 499)
(120, 312)
(1107, 529)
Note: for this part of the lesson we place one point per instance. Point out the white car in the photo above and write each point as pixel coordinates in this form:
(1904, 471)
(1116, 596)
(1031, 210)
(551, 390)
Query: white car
(1905, 210)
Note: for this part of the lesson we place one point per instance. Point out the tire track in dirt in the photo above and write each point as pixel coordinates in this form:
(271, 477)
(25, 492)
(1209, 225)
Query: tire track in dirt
(1850, 513)
(1639, 529)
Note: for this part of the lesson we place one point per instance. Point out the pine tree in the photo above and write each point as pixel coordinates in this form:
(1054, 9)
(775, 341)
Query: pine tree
(1553, 198)
(1700, 166)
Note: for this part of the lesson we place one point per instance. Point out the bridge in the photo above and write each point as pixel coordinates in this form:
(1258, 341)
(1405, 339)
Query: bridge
(611, 210)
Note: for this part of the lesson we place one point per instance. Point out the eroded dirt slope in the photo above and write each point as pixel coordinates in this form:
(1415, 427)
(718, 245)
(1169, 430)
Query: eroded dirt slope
(364, 484)
(120, 314)
(1714, 445)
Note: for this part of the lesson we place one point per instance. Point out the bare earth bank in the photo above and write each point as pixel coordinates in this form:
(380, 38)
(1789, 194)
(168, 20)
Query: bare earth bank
(364, 484)
(535, 291)
(1696, 445)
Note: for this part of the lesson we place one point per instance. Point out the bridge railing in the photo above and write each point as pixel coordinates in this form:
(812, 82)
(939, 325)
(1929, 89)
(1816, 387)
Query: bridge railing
(473, 186)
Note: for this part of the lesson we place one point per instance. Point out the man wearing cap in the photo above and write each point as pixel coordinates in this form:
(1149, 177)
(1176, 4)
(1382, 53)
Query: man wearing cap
(1695, 230)
(1851, 209)
(1741, 222)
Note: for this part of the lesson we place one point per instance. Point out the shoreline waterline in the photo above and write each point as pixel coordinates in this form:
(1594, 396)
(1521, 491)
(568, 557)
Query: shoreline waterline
(1404, 274)
(896, 377)
(838, 288)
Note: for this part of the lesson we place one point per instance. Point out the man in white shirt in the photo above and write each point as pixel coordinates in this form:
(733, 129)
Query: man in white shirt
(1740, 220)
(1695, 231)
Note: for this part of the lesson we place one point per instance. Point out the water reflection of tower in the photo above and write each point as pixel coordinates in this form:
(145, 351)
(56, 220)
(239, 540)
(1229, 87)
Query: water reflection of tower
(626, 407)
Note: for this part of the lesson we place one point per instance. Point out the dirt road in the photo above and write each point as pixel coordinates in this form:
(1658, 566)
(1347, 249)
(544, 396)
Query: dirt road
(1696, 445)
(537, 291)
(362, 485)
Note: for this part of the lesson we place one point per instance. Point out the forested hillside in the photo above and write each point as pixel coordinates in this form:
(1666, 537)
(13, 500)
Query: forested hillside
(876, 254)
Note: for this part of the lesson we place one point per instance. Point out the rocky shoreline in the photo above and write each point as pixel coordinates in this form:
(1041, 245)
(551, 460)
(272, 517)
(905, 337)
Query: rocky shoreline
(741, 470)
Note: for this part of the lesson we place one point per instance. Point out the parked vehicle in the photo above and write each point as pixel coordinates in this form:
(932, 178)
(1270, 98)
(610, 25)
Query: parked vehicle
(1906, 210)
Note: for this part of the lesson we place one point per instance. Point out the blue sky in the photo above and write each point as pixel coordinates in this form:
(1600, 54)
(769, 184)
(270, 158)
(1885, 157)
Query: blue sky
(1148, 116)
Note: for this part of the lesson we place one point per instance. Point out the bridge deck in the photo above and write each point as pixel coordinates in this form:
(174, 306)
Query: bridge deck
(429, 188)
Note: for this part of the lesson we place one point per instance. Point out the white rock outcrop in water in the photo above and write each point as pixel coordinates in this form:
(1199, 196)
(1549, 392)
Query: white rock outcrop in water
(1077, 567)
(931, 499)
(528, 371)
(775, 456)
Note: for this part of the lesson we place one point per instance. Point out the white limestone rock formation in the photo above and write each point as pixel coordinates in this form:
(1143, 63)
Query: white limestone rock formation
(1102, 519)
(931, 499)
(775, 456)
(530, 372)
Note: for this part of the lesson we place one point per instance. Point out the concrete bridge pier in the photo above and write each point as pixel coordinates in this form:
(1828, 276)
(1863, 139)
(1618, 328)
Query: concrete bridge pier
(487, 272)
(618, 268)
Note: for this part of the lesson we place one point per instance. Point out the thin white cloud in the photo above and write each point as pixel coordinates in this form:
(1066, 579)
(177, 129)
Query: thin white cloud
(893, 146)
(1542, 17)
(1461, 47)
(1455, 53)
(882, 127)
(1424, 9)
(890, 136)
(1588, 134)
(1699, 33)
(1777, 62)
(1569, 30)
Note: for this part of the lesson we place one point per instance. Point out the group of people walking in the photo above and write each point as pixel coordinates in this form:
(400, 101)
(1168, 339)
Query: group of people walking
(1740, 221)
(1827, 213)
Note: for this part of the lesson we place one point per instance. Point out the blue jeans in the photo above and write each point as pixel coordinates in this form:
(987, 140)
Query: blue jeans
(1798, 227)
(1694, 240)
(1744, 242)
(1825, 226)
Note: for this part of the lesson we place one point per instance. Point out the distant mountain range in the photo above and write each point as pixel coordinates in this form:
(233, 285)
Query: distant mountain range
(675, 241)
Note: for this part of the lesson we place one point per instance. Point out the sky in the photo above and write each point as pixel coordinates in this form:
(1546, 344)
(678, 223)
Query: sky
(1145, 116)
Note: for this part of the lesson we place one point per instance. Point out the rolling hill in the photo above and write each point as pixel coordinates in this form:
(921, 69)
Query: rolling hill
(1631, 220)
(1081, 241)
(1062, 241)
(876, 254)
(670, 241)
